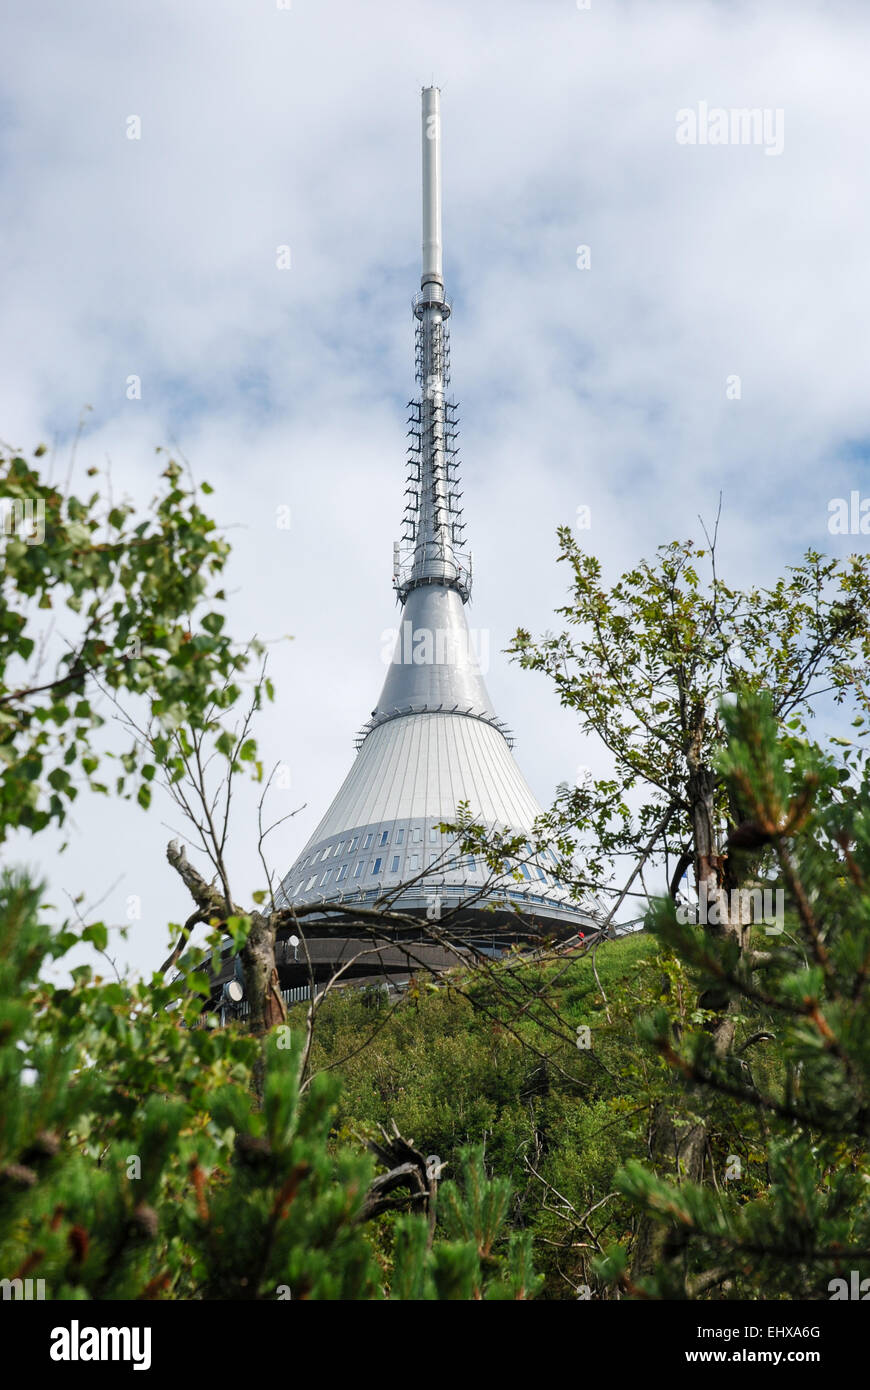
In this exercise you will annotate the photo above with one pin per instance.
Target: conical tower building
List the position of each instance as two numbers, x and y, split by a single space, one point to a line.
433 740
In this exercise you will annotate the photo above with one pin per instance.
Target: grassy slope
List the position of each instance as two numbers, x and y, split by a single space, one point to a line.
460 1064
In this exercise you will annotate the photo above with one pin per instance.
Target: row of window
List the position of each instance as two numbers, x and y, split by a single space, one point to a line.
413 866
333 851
340 874
377 867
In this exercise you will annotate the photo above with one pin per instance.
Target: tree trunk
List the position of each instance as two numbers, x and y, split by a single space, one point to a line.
677 1145
262 985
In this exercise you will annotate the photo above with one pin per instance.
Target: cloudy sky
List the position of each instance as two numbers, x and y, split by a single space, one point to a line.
605 386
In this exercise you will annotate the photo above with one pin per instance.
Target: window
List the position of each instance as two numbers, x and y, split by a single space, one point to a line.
413 863
342 874
353 844
385 835
310 884
418 834
400 836
338 848
326 877
432 859
359 868
524 869
376 867
394 867
433 836
470 862
368 840
541 875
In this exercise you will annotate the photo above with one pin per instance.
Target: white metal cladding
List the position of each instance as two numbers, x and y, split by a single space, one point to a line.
381 830
434 662
420 767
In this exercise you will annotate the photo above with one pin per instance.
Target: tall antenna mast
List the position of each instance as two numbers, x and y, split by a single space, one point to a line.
431 548
433 739
433 272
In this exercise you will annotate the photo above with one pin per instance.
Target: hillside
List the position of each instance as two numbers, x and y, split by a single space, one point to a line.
491 1057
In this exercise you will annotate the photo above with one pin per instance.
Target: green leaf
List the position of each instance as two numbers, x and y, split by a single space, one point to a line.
98 934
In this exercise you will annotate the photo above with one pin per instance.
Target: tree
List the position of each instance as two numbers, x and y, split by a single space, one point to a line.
644 665
99 605
137 1159
141 1154
97 600
801 1229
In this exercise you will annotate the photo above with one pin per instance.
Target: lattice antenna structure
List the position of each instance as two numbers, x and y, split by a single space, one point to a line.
432 548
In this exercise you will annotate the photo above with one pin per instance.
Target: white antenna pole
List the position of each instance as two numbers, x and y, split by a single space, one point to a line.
432 266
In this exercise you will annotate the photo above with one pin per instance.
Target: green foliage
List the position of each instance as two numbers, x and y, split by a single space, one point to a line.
474 1261
281 1219
803 1216
645 662
136 1160
95 598
495 1054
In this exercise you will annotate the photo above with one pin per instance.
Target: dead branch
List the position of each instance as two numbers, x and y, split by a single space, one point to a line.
409 1170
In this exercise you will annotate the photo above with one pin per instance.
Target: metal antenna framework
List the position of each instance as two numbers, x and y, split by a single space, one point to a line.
431 550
